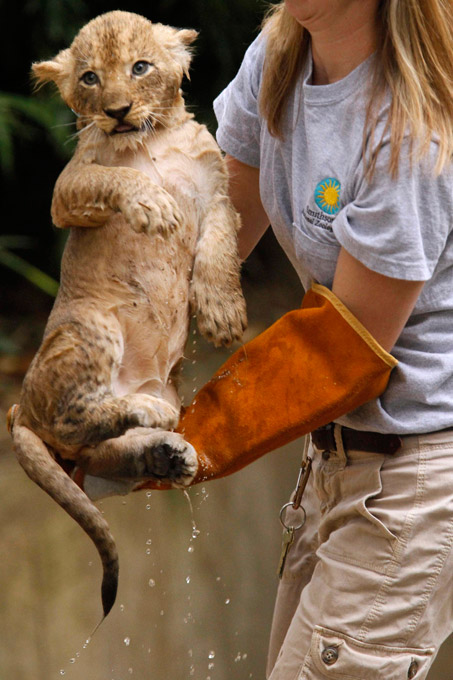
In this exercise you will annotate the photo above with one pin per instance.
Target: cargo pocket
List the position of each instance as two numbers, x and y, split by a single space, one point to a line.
338 656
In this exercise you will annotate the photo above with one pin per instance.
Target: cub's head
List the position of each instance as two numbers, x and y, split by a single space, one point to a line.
122 75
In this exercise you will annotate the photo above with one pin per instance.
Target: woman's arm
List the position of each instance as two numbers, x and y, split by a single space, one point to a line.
245 194
382 304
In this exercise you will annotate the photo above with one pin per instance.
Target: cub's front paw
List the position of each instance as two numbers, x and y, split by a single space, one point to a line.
153 212
221 319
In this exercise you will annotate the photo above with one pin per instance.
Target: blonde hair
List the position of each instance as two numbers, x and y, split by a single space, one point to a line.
414 62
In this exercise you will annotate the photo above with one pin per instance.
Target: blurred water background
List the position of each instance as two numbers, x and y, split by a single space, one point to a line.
191 603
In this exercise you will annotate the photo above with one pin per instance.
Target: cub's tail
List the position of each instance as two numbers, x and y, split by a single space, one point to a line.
39 465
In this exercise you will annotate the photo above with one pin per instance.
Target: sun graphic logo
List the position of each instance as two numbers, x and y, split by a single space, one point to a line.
327 195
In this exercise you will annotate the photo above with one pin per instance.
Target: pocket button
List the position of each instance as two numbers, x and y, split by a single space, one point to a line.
413 670
330 654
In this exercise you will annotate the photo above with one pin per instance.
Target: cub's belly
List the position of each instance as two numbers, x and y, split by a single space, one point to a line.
154 337
144 282
116 252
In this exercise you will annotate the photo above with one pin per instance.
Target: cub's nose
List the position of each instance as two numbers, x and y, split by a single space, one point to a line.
118 113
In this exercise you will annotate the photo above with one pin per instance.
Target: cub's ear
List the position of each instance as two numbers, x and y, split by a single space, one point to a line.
56 70
177 42
187 36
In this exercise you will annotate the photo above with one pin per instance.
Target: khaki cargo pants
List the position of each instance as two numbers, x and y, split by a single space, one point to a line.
367 591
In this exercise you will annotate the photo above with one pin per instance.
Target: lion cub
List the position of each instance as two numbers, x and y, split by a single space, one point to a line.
152 240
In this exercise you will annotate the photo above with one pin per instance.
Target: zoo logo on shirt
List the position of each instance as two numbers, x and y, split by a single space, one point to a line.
327 195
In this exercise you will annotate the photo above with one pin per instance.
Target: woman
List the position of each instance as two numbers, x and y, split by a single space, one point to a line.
338 130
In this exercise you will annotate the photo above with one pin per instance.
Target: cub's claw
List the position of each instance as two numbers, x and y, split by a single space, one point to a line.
153 212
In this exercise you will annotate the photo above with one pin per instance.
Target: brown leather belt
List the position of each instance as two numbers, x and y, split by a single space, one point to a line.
373 442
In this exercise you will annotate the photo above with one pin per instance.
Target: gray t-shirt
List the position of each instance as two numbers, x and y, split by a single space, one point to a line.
314 191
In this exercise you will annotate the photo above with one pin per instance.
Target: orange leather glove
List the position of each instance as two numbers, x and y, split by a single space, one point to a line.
312 366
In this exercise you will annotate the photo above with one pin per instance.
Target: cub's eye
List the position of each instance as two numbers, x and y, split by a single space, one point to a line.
89 78
140 68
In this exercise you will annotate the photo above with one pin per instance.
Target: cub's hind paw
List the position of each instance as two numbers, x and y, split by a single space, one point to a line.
152 455
171 460
149 411
121 464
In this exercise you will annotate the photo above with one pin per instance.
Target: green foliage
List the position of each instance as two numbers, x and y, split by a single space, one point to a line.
20 266
26 118
60 20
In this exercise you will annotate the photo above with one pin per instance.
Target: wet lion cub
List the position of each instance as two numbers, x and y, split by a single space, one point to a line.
152 240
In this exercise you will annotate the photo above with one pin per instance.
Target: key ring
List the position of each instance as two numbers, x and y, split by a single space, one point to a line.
302 479
290 527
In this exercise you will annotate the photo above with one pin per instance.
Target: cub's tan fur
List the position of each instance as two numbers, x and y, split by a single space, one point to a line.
152 239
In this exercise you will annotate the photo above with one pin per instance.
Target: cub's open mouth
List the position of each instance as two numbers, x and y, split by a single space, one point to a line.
122 128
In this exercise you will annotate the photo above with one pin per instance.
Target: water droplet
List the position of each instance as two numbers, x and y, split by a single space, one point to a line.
148 551
210 666
121 610
148 494
192 670
71 660
151 583
227 601
161 612
238 657
190 549
149 541
62 671
211 655
187 579
195 532
148 507
218 578
127 641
